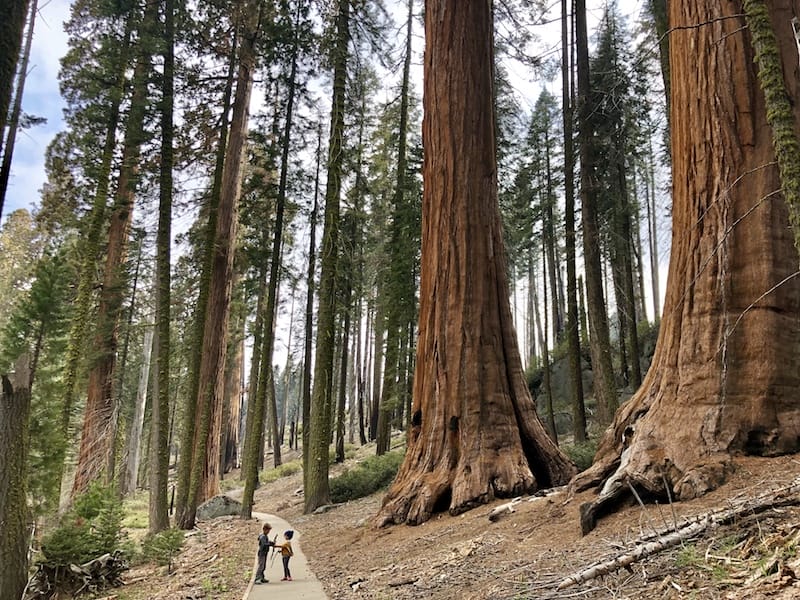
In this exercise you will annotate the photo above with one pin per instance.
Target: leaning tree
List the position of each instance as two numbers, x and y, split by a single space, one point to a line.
474 431
725 375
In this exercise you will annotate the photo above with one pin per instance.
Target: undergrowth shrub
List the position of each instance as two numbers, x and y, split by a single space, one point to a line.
91 528
371 475
163 547
581 454
283 470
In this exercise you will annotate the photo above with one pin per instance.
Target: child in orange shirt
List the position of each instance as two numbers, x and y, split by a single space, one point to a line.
286 554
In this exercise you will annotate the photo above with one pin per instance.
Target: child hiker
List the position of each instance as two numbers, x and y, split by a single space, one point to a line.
264 544
286 554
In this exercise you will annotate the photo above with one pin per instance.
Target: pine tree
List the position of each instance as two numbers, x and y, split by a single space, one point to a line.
600 343
159 420
11 30
612 138
316 481
572 326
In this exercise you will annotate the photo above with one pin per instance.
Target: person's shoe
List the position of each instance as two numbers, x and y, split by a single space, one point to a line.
288 579
284 579
257 581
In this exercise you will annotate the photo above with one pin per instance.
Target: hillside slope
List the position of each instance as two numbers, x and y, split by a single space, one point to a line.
524 554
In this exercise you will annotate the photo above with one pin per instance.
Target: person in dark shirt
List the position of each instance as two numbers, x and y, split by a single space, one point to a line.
264 544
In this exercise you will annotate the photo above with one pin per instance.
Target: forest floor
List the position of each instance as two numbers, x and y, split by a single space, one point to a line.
524 554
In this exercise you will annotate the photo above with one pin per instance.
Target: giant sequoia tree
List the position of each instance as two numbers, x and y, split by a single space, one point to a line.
725 375
474 431
96 452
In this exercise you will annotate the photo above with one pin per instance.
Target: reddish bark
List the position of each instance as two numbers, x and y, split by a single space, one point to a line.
474 431
725 375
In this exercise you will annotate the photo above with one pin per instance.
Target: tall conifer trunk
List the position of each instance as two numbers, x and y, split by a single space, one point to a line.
7 151
599 342
190 420
15 406
100 413
205 451
474 431
12 26
317 490
159 418
268 341
90 247
572 327
725 374
309 314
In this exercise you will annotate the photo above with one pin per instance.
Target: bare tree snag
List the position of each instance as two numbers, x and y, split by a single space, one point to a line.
474 435
725 374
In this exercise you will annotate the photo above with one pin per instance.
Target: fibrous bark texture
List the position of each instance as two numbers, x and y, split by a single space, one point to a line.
474 431
15 404
725 375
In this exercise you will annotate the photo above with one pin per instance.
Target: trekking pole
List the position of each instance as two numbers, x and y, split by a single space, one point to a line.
274 548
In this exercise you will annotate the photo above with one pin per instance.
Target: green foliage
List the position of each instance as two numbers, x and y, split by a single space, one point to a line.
91 528
350 451
136 511
163 547
280 471
19 246
371 475
36 325
688 556
778 105
581 454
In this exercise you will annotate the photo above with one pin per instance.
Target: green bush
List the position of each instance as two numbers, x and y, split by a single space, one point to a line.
371 475
581 454
90 529
283 470
163 547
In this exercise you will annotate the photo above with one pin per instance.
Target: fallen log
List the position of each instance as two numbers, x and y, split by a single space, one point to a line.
499 511
785 496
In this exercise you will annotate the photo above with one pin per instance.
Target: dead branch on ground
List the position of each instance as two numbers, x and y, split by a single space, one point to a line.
785 496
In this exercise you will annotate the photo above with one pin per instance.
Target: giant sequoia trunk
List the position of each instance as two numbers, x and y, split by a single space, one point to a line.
725 375
474 431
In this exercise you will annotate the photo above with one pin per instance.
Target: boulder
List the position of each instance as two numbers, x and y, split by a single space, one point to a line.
218 506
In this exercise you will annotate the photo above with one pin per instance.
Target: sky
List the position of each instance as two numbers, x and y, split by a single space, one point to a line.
42 99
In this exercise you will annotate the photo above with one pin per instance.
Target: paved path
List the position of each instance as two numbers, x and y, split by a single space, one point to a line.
304 585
